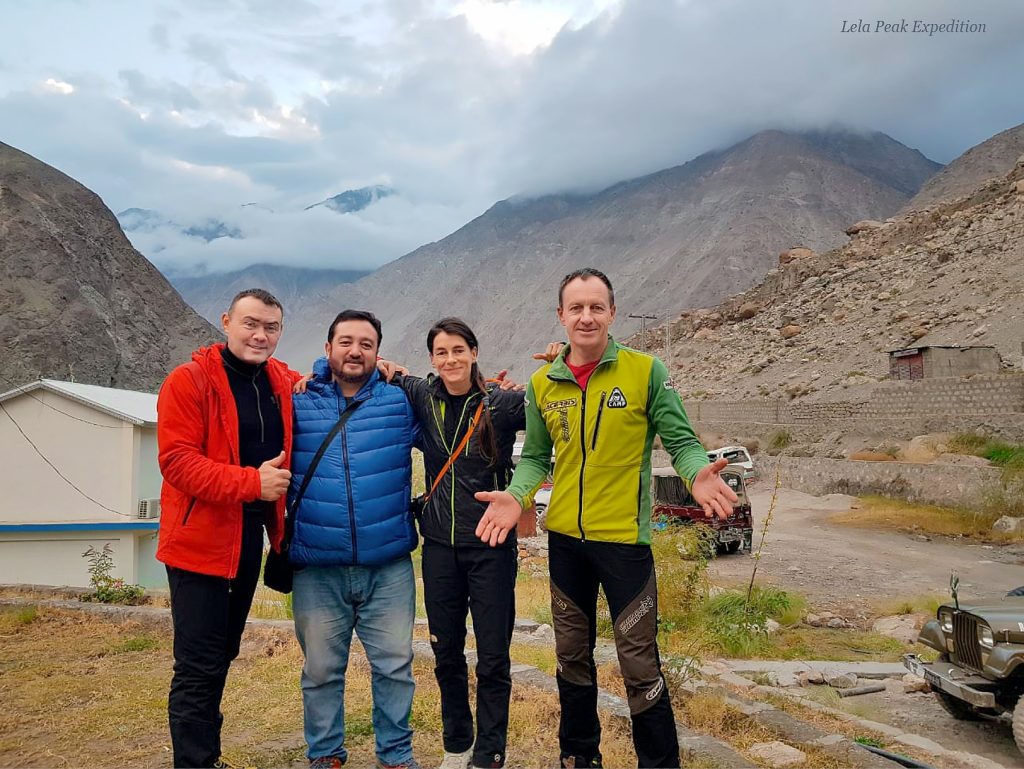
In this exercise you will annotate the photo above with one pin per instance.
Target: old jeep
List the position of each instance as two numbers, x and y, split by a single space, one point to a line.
673 503
980 670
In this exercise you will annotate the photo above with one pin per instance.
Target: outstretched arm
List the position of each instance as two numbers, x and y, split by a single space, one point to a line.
666 412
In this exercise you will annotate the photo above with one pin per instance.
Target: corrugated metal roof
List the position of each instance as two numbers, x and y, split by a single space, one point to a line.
130 405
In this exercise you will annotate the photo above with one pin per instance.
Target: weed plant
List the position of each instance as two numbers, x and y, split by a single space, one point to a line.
105 588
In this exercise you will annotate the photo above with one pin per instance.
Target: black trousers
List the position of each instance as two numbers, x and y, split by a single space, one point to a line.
209 616
626 575
481 580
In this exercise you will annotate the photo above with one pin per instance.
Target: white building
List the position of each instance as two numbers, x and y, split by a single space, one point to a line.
75 462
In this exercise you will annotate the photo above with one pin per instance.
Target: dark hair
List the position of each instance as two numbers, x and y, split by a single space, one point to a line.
586 272
344 315
257 293
457 327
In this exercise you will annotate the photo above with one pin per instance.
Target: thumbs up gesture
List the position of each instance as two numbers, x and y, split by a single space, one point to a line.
273 479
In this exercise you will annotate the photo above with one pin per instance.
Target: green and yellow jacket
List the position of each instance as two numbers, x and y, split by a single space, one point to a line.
602 438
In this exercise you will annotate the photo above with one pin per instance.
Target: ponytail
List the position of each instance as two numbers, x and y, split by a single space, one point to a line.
488 440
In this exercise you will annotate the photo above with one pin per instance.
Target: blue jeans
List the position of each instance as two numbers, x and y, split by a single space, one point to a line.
379 603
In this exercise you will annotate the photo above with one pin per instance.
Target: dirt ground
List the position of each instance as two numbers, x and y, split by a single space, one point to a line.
852 571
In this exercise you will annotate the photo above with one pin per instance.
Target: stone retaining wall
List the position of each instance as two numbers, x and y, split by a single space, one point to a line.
991 402
928 483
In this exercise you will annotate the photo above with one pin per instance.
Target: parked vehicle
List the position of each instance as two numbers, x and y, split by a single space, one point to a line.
980 670
737 455
671 500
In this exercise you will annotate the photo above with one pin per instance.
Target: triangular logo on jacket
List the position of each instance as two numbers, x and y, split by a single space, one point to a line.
616 400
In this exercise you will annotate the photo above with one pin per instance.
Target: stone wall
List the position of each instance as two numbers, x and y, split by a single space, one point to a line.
990 402
929 483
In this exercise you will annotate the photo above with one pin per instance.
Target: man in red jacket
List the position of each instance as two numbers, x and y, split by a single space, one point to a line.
224 429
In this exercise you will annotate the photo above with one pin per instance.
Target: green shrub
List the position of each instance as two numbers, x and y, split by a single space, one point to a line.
107 589
999 453
739 627
779 440
1005 455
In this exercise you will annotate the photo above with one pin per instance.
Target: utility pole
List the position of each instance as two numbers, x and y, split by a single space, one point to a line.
643 328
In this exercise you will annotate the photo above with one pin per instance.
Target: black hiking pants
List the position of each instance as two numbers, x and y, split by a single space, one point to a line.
626 575
481 580
209 616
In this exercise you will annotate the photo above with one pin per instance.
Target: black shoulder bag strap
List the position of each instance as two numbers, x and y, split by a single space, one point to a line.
289 522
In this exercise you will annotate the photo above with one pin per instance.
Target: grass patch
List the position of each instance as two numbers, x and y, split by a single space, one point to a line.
139 643
927 604
812 643
79 705
888 514
541 657
710 713
270 604
999 453
13 618
533 597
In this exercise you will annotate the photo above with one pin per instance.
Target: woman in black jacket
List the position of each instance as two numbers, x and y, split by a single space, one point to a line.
460 572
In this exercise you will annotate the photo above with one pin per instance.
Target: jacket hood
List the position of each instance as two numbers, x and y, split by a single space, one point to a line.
205 356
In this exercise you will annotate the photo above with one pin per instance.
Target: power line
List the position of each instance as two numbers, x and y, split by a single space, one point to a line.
54 467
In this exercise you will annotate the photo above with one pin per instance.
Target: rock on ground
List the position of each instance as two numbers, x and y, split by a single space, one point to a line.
777 754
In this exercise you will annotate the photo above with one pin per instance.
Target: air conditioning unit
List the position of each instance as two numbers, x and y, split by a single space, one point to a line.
149 508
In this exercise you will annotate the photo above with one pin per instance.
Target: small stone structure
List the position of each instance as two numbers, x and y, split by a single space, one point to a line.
936 361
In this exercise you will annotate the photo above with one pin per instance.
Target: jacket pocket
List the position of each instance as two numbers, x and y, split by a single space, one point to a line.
188 510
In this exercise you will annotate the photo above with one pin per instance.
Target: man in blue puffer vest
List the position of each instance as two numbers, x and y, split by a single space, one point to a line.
351 544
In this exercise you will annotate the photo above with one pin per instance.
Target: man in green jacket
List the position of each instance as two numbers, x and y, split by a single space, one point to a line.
599 405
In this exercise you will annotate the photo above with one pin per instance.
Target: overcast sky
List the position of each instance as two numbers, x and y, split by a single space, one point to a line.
195 108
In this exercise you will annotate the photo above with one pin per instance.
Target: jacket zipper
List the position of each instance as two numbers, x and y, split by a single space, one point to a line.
597 424
348 485
259 410
449 449
583 449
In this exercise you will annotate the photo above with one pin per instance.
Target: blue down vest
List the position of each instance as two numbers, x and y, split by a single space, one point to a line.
356 507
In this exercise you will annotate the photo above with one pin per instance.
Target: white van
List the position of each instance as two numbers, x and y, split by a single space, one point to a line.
737 455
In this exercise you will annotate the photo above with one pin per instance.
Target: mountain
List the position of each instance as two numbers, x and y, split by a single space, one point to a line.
819 326
147 220
684 237
993 158
351 201
79 302
210 295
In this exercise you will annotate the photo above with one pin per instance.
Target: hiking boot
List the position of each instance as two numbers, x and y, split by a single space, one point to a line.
223 763
327 762
457 760
412 763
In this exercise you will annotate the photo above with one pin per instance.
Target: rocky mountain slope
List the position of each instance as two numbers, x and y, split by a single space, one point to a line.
819 325
993 158
78 301
210 295
683 237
